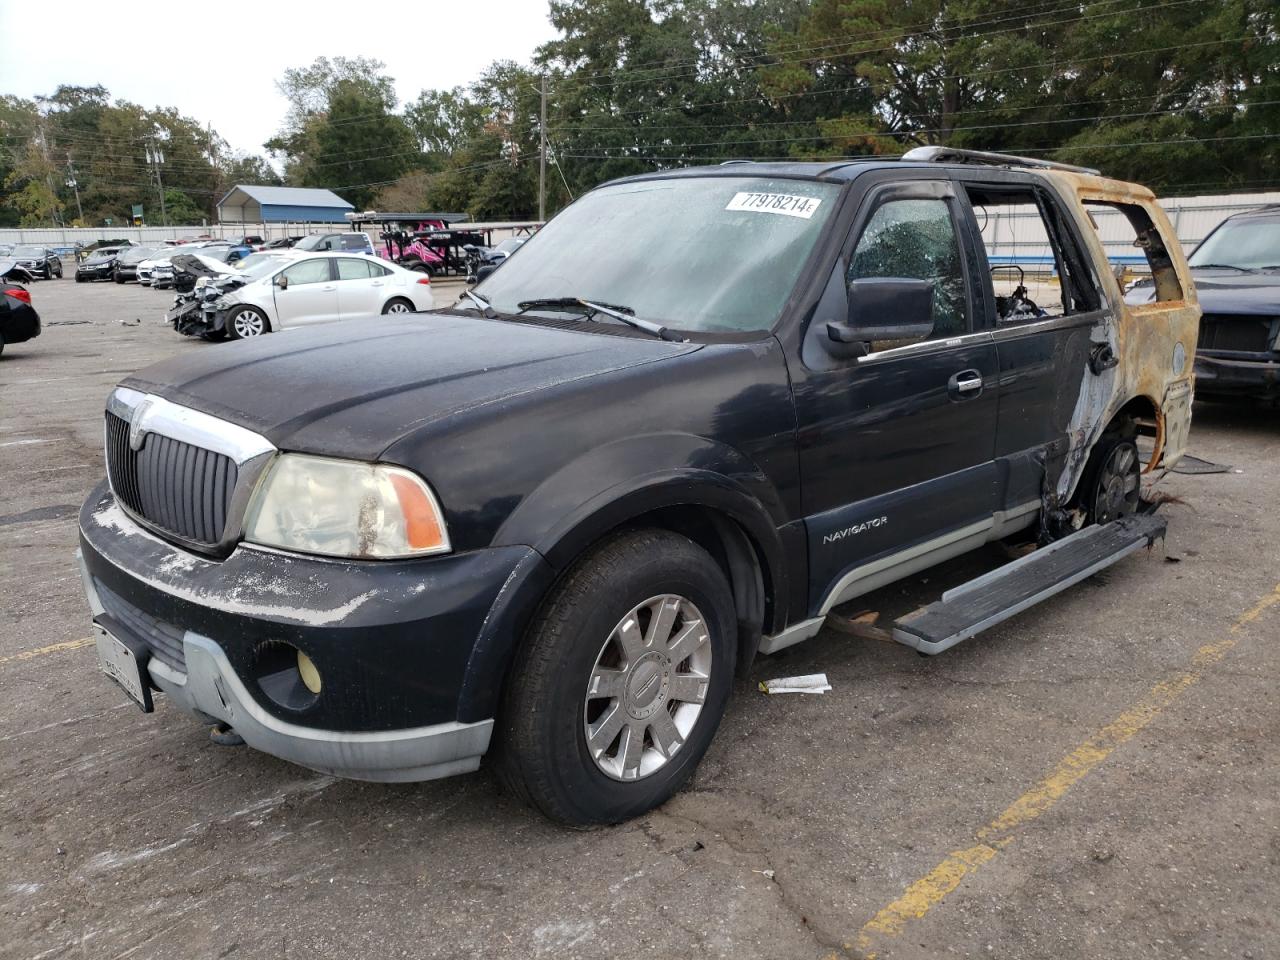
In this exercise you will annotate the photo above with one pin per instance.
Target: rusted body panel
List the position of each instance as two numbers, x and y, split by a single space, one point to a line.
1153 344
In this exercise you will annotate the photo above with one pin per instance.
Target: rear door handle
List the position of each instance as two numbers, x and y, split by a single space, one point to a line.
965 385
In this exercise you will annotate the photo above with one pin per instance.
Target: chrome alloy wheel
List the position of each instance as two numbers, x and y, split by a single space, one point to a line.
1119 485
647 688
248 323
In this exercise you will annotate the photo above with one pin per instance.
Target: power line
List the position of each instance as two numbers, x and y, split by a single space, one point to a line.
695 64
918 29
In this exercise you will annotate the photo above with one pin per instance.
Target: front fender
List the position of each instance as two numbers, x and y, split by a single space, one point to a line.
612 484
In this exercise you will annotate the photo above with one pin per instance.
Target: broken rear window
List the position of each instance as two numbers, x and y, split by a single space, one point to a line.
1134 245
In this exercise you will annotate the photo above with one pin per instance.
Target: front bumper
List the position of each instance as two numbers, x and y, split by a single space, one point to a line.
104 272
1238 374
396 643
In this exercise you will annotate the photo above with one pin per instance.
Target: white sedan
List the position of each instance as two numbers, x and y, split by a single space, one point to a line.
320 288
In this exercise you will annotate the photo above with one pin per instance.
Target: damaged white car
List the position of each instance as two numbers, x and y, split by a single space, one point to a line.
278 292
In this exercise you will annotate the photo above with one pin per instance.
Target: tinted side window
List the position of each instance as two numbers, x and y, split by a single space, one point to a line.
916 239
308 271
355 241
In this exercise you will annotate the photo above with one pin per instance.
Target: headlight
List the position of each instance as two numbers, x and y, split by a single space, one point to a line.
341 508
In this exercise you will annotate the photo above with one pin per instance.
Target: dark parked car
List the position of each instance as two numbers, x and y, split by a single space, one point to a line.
282 243
38 261
99 265
127 262
559 516
1237 274
18 318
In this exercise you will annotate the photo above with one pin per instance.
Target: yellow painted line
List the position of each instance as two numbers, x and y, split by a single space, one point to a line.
927 892
62 647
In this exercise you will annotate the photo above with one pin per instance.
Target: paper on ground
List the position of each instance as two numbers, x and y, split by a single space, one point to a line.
810 683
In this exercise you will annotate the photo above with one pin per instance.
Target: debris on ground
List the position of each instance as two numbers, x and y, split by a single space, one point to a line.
862 625
810 683
1193 465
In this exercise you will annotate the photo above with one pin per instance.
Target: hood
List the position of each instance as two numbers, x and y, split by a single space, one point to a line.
199 266
353 389
1225 291
100 258
1252 294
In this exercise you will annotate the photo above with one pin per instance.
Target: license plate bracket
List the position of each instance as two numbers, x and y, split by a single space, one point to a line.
124 660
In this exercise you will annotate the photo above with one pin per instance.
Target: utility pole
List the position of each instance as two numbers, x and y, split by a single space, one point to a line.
71 182
542 156
155 157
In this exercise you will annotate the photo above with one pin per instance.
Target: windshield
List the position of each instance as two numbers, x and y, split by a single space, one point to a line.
715 254
215 253
1248 244
311 243
137 254
258 265
26 250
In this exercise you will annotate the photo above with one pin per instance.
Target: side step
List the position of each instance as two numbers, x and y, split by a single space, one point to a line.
987 600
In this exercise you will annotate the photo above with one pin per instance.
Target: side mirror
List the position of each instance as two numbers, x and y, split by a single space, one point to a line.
882 308
282 282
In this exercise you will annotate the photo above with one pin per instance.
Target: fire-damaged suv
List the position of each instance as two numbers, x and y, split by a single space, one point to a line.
695 412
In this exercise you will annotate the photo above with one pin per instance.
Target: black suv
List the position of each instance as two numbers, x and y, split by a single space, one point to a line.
698 410
1237 275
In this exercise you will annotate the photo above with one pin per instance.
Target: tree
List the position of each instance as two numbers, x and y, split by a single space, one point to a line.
360 144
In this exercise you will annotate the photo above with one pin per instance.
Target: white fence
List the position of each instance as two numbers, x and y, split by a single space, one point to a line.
1011 234
70 236
1019 233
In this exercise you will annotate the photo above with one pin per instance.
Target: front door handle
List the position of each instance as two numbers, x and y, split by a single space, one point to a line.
965 385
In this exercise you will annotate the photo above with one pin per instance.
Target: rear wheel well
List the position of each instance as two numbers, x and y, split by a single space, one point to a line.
1140 417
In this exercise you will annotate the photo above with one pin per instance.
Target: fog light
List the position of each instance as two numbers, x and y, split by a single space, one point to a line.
310 675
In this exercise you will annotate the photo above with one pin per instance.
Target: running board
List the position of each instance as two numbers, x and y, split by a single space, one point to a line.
994 597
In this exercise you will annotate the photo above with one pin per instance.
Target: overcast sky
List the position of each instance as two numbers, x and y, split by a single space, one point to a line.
219 62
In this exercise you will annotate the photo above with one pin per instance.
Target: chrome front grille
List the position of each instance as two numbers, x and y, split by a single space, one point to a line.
183 489
183 473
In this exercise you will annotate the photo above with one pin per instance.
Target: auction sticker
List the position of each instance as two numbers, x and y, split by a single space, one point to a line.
787 204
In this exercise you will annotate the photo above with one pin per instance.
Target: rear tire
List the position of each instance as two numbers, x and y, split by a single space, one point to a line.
398 305
621 681
1111 486
244 322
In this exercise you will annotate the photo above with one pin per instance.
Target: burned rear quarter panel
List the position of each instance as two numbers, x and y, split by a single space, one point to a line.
1143 337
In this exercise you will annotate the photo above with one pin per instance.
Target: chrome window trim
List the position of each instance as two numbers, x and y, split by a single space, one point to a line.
927 346
1012 330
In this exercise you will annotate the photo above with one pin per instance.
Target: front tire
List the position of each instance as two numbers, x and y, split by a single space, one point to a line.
245 322
621 682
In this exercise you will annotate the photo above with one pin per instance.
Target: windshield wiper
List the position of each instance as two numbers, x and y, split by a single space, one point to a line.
481 302
1220 266
625 314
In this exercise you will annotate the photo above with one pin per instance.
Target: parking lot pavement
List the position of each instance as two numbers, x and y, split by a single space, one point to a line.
1094 778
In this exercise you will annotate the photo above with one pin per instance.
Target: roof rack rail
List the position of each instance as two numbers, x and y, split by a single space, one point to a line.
955 155
725 163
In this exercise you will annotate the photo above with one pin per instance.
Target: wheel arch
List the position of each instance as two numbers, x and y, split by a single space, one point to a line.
725 521
1148 420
